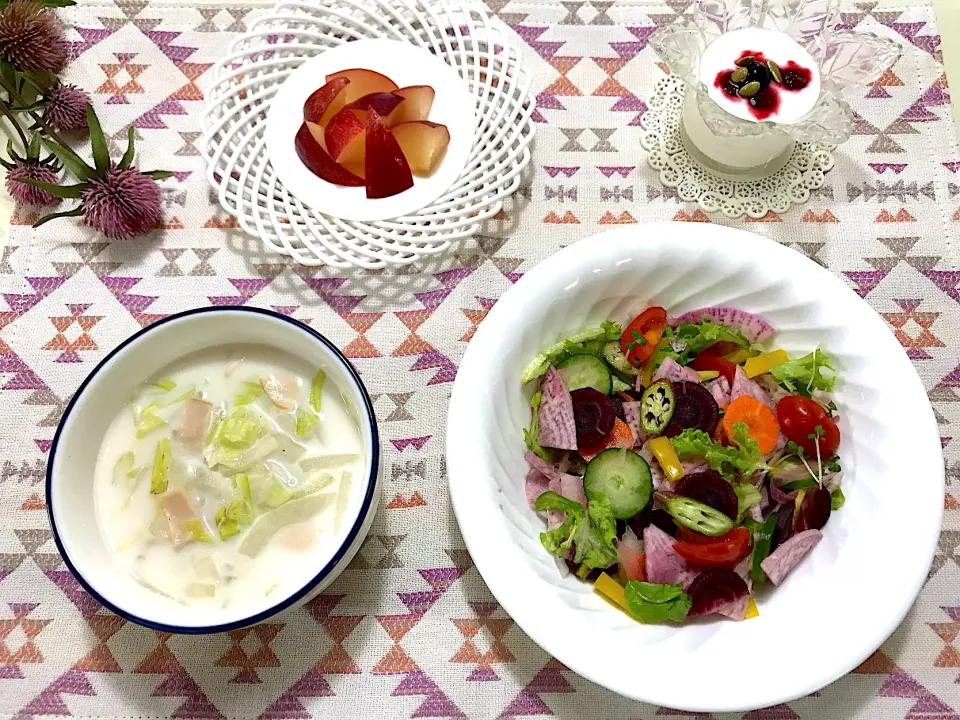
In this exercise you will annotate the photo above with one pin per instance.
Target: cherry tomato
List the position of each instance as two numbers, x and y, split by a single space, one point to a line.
648 326
725 552
799 417
708 361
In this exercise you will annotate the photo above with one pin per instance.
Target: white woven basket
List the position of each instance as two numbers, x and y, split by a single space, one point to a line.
246 80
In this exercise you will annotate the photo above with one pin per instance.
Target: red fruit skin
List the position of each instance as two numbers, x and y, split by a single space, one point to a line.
385 167
342 129
317 104
383 102
320 163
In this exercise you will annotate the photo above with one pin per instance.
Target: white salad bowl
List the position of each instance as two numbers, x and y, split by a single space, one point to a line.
840 603
73 457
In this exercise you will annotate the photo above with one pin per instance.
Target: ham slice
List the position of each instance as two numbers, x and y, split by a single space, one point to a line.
785 558
631 413
535 485
663 564
742 385
671 370
557 426
194 423
177 508
720 389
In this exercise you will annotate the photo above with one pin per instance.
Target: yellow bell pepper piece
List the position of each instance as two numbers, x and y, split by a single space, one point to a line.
796 505
738 356
752 611
708 374
611 589
764 363
662 449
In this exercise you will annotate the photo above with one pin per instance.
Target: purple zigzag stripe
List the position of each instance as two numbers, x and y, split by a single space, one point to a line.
10 672
952 379
151 120
441 578
548 101
91 36
64 580
544 49
49 702
163 38
482 675
946 280
453 276
420 601
288 705
866 280
437 704
553 171
621 170
24 378
325 285
417 442
629 103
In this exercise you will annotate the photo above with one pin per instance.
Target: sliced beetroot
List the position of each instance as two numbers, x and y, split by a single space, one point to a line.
783 528
718 591
555 417
710 489
694 408
754 327
815 510
594 414
652 516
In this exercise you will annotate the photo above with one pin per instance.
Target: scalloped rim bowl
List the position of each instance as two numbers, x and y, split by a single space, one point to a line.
840 603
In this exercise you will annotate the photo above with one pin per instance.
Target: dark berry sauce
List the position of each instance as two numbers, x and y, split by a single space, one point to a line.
766 101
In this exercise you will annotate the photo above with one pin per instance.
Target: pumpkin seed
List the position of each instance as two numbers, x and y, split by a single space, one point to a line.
775 71
749 90
744 61
739 75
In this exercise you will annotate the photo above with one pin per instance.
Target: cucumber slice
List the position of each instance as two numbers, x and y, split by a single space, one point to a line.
624 477
618 361
581 371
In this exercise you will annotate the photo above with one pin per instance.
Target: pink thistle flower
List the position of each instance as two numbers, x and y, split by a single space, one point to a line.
66 107
27 194
31 37
122 204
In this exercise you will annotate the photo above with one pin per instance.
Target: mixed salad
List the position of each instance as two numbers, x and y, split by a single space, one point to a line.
682 463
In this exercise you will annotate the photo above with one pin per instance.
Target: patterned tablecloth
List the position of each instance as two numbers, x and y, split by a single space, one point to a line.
410 630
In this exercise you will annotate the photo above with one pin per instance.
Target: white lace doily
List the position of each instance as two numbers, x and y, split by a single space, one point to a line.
791 184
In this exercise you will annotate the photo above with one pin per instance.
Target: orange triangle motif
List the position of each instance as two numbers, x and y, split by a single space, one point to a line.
395 661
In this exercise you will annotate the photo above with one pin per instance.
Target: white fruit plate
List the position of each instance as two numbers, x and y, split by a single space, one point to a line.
259 183
839 604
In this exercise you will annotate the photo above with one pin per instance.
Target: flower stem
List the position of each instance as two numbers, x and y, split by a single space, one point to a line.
14 95
13 121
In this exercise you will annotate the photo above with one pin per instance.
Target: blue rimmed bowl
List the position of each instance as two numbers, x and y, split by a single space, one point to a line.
73 457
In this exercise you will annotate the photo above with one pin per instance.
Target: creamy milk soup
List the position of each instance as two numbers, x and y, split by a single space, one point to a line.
230 477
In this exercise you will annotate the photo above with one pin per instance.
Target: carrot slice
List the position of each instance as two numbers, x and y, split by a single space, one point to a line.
620 436
760 420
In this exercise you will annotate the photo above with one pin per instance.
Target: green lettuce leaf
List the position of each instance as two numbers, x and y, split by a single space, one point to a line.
149 421
652 602
805 374
316 390
593 533
619 385
531 435
589 342
306 422
837 500
249 391
196 530
743 458
747 497
237 441
166 385
689 339
161 467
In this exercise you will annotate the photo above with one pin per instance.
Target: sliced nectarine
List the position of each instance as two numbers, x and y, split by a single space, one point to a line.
385 103
344 137
326 102
423 144
386 169
417 101
363 82
315 157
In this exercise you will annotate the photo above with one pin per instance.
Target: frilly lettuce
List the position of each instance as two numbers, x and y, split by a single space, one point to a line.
588 341
805 374
593 533
249 392
744 457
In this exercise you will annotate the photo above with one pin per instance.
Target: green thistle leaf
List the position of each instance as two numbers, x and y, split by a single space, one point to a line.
127 158
98 142
73 162
67 192
76 212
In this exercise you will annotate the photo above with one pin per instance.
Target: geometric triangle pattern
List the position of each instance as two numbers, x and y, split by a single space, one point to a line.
409 630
